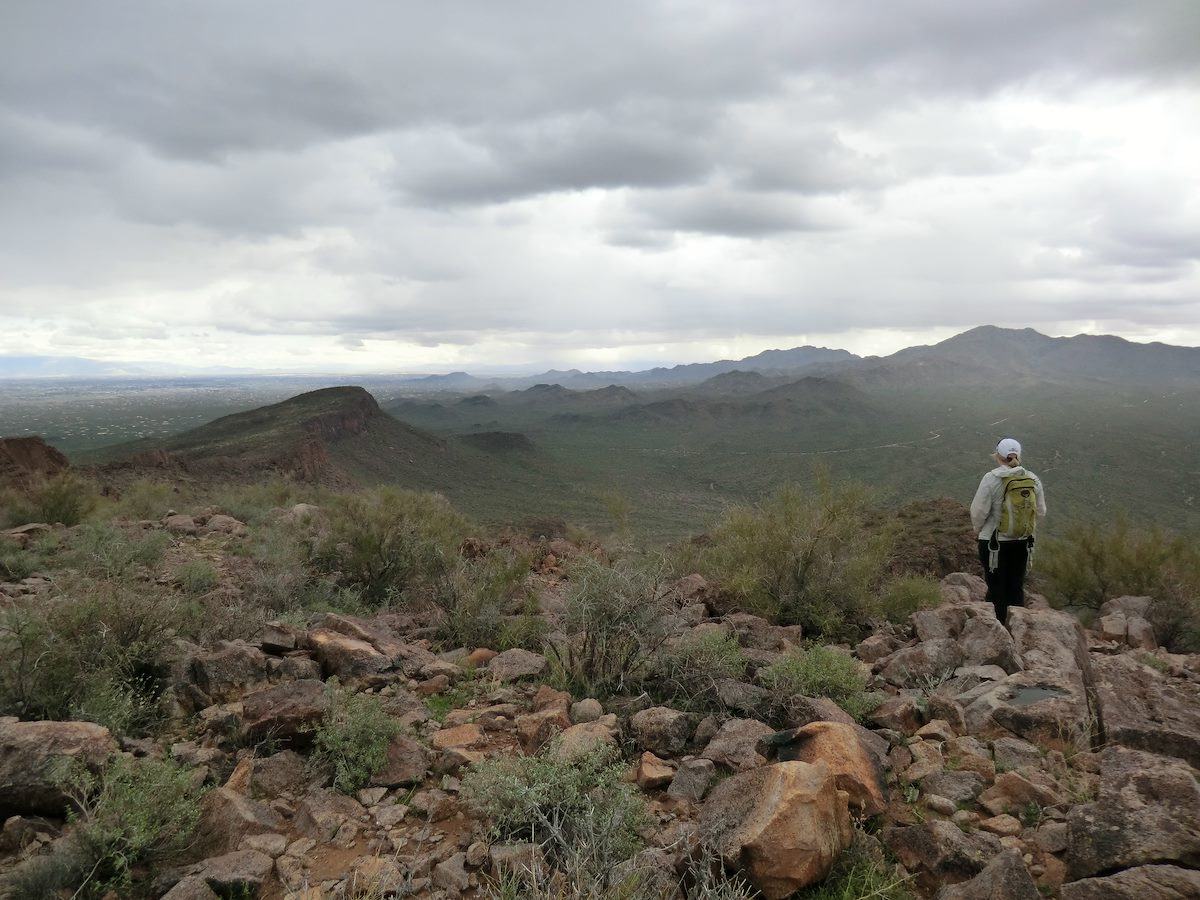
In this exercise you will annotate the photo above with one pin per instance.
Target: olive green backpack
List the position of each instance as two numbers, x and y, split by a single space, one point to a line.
1018 509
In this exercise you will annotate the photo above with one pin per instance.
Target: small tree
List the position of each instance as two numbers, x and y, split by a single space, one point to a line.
390 542
613 623
807 557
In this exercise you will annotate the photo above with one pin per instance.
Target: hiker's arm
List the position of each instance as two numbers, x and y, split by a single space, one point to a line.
1041 496
981 506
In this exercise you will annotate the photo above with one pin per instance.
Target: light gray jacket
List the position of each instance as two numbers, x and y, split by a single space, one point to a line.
985 508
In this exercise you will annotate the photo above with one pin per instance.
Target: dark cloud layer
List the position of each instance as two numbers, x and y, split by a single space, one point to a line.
643 172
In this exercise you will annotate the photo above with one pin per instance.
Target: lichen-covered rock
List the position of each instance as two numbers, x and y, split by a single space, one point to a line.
661 730
1144 710
516 663
1139 883
1147 812
228 670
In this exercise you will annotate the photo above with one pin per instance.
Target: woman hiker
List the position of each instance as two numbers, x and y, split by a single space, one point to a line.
1004 513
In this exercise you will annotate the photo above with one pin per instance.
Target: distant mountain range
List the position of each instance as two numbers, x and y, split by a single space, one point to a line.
981 355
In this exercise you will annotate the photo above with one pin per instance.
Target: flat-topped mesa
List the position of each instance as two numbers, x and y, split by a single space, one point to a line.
351 417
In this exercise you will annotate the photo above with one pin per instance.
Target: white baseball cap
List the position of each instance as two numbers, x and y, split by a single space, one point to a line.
1007 448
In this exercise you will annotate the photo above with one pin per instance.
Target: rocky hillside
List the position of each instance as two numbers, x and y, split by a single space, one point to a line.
1038 760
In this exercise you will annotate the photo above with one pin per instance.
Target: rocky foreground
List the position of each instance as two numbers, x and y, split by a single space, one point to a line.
1049 761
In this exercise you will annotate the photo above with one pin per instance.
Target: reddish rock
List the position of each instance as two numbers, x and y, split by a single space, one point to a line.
228 670
283 711
856 770
653 772
407 761
1140 883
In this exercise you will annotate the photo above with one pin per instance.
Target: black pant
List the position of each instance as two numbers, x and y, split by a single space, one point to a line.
1005 586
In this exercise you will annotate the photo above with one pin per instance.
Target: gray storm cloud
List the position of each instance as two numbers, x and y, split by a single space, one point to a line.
642 172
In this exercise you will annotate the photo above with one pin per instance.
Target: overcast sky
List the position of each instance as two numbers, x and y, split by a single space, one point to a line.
431 186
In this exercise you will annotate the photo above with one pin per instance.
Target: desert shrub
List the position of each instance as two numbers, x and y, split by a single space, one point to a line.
135 816
353 738
803 557
111 552
527 630
819 671
254 503
860 874
197 576
391 543
579 809
476 596
686 674
144 499
94 651
613 623
65 498
17 563
904 595
1091 564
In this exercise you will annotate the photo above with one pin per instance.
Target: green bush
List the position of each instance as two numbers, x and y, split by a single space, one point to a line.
476 596
95 651
353 738
1091 564
613 624
197 576
904 595
686 674
821 672
136 816
391 543
802 557
16 564
579 809
111 552
65 499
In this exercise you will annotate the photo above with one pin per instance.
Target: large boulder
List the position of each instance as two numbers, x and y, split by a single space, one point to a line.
985 642
1048 640
346 657
856 769
1147 812
228 670
783 825
1047 707
408 658
32 754
1144 710
1140 883
284 711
